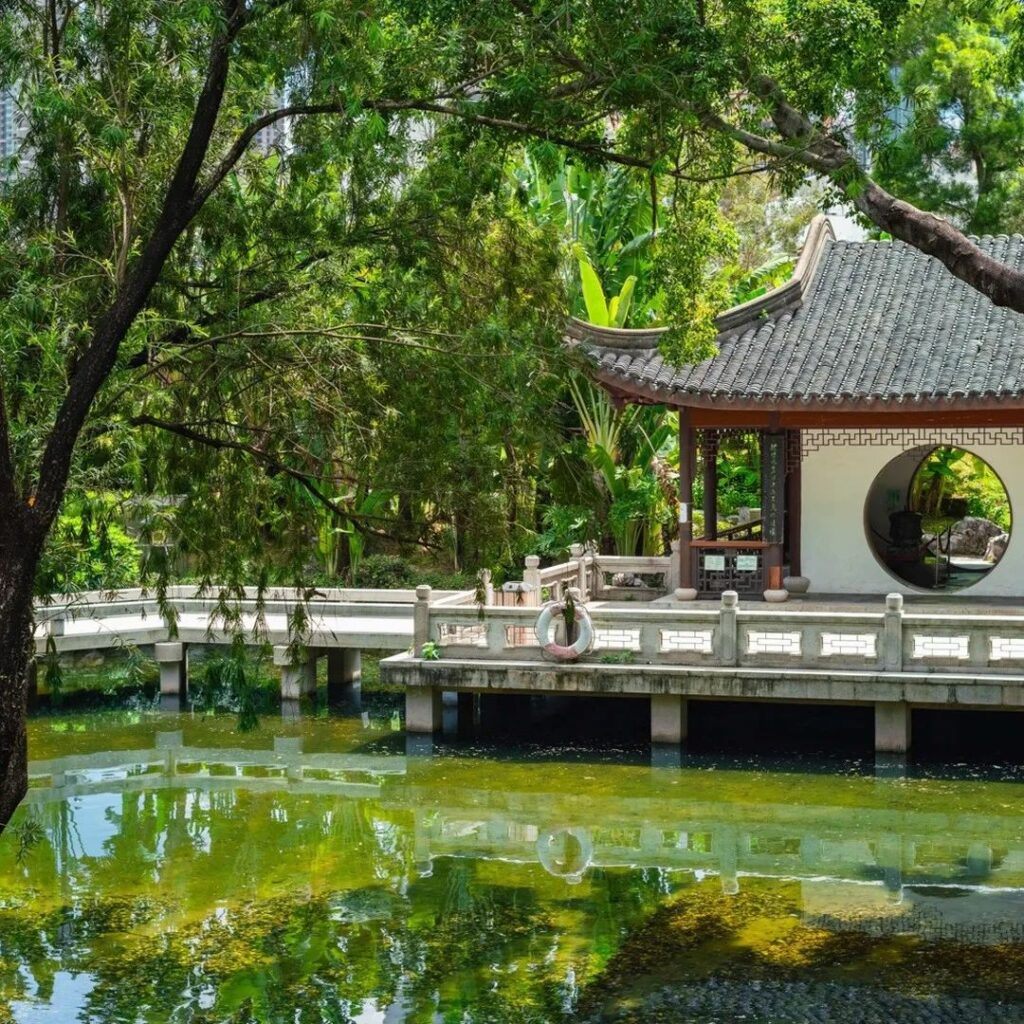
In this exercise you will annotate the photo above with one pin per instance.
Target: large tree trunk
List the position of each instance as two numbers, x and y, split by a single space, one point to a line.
16 576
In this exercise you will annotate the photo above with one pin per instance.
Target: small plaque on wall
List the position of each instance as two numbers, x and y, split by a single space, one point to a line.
746 563
714 563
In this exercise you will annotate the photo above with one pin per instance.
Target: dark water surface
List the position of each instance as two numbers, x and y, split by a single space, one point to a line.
170 868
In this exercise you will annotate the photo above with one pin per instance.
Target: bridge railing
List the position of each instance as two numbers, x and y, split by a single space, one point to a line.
597 577
135 616
729 635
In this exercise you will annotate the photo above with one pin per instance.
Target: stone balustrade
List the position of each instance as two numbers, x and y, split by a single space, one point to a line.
730 634
886 657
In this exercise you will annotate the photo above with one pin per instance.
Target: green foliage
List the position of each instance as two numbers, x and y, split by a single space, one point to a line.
623 451
739 477
601 311
385 571
618 658
955 141
131 672
606 216
952 473
355 346
564 525
53 674
89 549
234 681
28 834
770 274
694 255
431 651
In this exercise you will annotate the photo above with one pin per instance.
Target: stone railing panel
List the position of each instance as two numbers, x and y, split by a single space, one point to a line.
959 642
788 639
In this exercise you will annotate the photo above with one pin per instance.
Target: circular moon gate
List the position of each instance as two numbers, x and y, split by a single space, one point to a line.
938 518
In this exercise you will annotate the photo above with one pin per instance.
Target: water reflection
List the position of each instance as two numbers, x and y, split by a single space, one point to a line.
190 874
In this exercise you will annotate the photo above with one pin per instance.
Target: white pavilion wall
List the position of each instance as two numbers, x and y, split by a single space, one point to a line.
835 553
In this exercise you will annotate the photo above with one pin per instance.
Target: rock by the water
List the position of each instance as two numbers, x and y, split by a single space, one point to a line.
90 659
970 536
997 547
627 579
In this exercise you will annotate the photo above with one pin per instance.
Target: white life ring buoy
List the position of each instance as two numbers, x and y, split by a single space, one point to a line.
566 853
585 631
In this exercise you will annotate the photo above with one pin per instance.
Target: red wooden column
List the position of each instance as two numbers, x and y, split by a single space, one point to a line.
709 454
686 466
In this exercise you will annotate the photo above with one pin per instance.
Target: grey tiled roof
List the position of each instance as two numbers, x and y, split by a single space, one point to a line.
873 321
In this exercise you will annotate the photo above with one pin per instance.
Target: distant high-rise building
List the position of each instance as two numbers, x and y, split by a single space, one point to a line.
12 132
272 139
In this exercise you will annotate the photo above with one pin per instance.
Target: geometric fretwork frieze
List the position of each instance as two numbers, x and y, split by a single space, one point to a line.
909 437
709 440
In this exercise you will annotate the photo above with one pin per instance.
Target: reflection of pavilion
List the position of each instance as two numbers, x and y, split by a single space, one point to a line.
863 867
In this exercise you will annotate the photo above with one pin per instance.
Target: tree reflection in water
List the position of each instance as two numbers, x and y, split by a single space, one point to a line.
186 879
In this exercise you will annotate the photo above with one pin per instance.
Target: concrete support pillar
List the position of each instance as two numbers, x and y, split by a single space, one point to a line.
725 849
172 659
668 718
892 727
170 743
298 672
291 710
423 709
289 750
449 712
469 714
890 860
344 672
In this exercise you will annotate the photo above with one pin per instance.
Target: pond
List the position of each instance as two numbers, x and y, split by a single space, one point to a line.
167 867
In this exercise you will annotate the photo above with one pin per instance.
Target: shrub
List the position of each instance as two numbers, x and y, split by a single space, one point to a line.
87 550
384 572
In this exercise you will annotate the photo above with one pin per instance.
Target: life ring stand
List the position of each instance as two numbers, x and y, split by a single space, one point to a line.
584 626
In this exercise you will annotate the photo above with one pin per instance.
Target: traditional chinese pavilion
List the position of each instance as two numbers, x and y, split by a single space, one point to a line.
850 375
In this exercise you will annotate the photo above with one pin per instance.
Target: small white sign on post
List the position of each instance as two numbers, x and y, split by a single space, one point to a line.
714 563
746 563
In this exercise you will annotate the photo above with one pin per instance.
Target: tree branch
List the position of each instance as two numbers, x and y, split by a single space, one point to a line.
804 142
175 213
269 460
931 234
